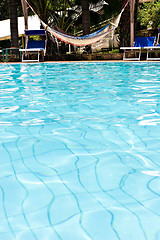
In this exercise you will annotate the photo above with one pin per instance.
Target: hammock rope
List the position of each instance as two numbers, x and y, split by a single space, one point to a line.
82 40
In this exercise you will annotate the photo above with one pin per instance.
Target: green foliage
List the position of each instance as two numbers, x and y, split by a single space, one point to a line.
56 12
149 14
66 14
114 51
4 11
113 7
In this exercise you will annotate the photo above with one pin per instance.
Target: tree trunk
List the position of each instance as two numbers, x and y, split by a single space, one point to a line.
13 22
132 25
125 31
85 17
125 26
25 13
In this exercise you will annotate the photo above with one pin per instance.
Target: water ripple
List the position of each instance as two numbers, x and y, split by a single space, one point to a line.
79 151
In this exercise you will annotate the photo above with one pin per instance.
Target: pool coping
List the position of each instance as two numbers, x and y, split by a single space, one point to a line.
106 61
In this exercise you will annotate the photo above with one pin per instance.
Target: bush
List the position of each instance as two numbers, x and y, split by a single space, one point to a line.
148 14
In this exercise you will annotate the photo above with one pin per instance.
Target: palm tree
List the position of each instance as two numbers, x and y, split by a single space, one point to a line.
13 22
85 16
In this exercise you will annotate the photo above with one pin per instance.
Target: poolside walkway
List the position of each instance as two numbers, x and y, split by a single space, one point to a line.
143 61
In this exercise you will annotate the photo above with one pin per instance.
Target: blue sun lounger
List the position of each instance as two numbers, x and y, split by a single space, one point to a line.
34 46
140 43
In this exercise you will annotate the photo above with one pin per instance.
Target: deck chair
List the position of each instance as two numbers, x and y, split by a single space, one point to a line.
139 44
34 46
155 49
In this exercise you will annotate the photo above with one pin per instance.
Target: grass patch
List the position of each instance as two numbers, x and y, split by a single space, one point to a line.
114 51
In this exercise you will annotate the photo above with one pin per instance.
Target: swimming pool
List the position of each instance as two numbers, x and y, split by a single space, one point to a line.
80 151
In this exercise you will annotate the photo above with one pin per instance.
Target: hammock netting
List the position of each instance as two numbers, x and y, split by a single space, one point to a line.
83 40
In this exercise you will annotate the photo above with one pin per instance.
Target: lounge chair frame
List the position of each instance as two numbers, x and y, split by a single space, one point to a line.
34 50
152 49
133 50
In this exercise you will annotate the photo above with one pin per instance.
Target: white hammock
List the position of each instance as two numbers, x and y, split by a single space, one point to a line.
83 40
87 39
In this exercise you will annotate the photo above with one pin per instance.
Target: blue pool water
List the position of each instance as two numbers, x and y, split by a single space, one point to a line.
80 151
